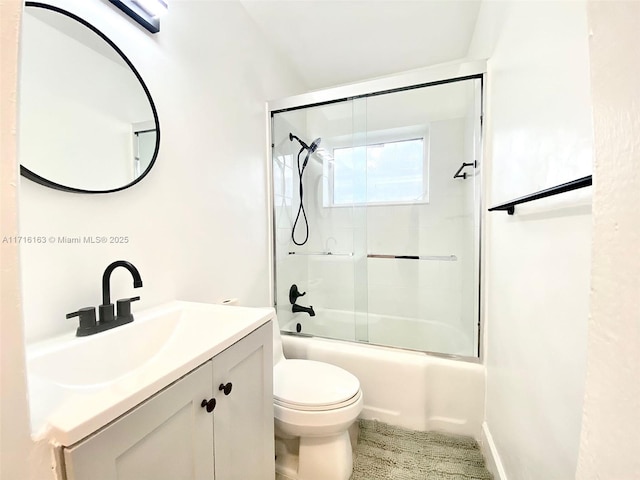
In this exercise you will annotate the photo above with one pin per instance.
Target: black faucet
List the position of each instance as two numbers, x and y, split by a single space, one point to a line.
106 309
88 324
294 293
298 308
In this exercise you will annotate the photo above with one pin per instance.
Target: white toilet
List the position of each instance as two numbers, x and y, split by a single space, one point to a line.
314 405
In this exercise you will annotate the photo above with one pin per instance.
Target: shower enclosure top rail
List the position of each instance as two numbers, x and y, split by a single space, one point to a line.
441 258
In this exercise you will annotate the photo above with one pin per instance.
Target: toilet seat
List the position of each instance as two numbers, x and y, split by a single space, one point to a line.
317 408
308 385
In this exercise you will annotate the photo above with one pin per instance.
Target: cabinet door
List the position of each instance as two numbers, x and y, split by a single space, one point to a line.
168 437
243 419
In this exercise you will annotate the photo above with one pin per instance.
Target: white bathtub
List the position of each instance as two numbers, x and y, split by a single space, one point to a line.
409 389
386 330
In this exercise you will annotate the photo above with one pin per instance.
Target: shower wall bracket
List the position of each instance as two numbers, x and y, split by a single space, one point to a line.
474 164
509 207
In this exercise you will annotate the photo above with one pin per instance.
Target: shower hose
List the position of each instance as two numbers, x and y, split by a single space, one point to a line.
301 170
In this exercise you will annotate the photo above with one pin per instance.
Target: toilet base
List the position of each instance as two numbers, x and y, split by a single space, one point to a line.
287 457
325 458
317 458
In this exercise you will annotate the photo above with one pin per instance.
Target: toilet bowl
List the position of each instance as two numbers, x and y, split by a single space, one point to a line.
314 405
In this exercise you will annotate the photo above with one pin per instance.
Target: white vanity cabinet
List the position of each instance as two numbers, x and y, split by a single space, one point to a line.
171 436
243 419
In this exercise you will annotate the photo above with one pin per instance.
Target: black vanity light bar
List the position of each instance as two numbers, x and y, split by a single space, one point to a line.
509 207
139 14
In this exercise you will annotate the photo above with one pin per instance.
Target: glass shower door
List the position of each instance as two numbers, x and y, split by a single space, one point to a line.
385 246
421 170
315 244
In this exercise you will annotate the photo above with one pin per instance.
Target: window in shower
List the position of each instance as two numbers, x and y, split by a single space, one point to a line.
392 256
396 173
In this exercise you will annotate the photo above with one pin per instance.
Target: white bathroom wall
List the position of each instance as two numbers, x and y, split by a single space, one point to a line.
14 414
197 224
538 134
610 442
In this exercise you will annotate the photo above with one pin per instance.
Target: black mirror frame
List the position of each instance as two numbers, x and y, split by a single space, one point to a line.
25 172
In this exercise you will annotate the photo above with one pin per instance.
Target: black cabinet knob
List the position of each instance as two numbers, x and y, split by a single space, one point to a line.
209 405
226 388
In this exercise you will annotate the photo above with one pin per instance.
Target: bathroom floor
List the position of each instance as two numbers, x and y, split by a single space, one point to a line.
385 452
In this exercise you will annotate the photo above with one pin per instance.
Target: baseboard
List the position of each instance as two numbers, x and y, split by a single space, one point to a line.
494 464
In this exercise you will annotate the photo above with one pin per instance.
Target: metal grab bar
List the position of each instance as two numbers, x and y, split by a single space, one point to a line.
509 207
440 258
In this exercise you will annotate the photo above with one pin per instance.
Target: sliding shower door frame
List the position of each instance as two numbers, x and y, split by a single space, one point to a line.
432 76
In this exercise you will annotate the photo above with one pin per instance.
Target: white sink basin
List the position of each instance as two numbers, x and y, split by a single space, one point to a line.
79 384
91 361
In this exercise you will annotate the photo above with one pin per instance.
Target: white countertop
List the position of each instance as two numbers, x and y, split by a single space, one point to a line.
79 384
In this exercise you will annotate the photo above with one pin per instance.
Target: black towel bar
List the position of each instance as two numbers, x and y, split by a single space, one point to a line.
509 207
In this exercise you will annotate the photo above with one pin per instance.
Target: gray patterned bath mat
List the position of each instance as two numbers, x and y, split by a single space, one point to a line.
385 452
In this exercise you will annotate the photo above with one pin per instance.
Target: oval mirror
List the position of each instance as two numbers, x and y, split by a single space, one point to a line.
87 121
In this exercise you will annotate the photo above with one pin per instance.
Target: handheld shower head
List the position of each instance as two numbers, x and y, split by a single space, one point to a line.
314 145
311 148
301 168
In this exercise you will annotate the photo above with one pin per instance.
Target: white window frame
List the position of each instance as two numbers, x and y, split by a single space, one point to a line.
402 134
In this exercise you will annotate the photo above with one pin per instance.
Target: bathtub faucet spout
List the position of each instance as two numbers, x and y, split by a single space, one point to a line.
297 308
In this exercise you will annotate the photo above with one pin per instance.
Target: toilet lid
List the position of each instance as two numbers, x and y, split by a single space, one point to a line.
308 384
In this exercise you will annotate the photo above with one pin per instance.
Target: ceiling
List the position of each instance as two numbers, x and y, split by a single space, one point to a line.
332 42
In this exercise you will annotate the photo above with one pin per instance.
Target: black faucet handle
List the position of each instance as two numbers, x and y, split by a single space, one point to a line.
105 313
132 299
87 320
294 293
124 308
